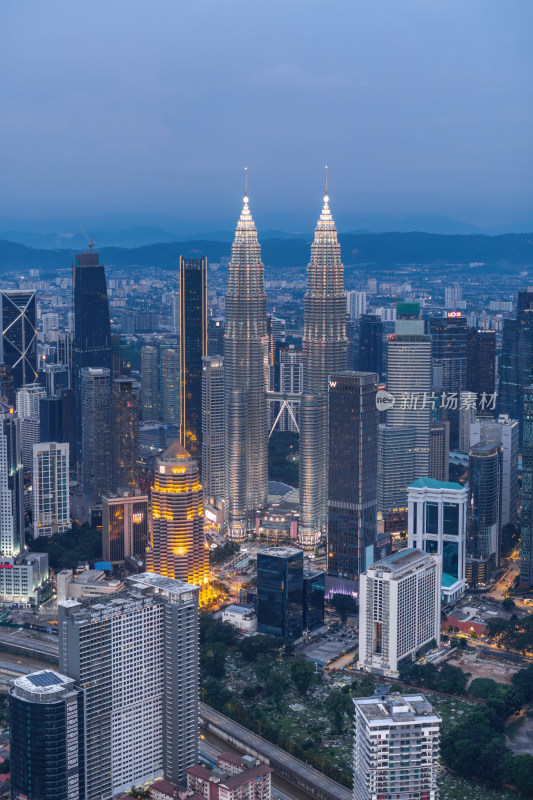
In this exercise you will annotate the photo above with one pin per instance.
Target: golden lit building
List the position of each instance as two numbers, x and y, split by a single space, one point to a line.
178 548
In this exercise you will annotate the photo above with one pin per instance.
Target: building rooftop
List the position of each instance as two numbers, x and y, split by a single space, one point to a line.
42 683
280 552
403 559
396 708
447 580
151 579
432 483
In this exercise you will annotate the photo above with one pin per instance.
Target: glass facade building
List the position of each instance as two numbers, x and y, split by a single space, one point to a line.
125 526
125 434
18 343
97 440
484 513
371 344
313 600
526 514
352 475
193 346
516 364
92 334
47 738
280 594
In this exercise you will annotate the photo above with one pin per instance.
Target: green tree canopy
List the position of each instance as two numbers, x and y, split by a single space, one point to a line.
344 605
302 674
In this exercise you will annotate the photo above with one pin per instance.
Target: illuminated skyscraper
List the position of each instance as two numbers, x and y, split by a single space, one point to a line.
245 380
125 434
170 379
177 521
324 352
213 428
150 382
96 432
193 346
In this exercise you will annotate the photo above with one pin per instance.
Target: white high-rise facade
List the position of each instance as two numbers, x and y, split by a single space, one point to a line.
28 400
355 304
50 494
503 431
136 655
324 351
399 602
396 748
437 525
11 484
409 380
246 371
213 428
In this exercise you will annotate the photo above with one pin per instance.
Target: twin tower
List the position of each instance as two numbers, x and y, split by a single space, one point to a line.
246 377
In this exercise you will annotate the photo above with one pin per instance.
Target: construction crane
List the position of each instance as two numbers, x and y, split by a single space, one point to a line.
89 240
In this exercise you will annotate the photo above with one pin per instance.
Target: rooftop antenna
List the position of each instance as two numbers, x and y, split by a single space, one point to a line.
246 183
326 181
89 239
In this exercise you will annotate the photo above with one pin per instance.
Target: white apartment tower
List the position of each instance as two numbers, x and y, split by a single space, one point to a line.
11 484
136 656
50 495
399 600
213 428
355 304
396 748
437 525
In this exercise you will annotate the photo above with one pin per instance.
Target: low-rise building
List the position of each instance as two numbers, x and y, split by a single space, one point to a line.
242 616
247 780
87 583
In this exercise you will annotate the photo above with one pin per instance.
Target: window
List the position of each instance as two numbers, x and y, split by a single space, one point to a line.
432 518
450 524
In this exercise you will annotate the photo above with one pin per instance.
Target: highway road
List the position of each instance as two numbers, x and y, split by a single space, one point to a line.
314 784
29 642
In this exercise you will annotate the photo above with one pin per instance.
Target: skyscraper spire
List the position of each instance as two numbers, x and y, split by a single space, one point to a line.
324 352
245 379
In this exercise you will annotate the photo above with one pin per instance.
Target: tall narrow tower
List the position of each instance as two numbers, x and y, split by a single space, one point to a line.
324 352
193 346
245 380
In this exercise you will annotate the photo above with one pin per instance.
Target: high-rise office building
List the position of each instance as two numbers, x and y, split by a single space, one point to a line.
396 748
396 465
50 495
47 735
92 330
125 427
11 484
409 380
245 381
516 364
276 330
175 311
7 384
352 346
150 382
485 513
437 525
399 602
439 450
122 355
355 304
280 592
170 380
526 512
324 349
28 410
448 359
54 377
125 525
215 336
97 438
136 655
18 342
313 599
213 428
177 543
193 346
503 431
481 364
371 344
51 419
352 477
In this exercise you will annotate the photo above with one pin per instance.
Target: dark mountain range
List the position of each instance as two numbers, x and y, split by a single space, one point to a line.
504 252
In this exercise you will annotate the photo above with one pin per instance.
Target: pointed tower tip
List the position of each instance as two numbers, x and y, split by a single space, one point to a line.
246 184
326 198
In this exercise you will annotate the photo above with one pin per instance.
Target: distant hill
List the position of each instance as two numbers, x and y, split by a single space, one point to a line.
506 251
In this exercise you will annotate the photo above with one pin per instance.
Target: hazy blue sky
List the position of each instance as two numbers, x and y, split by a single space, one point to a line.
131 111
